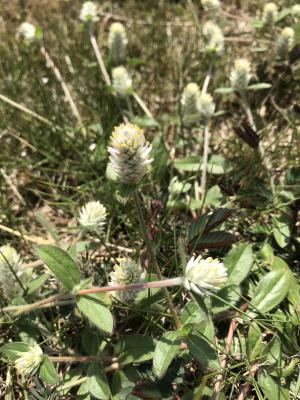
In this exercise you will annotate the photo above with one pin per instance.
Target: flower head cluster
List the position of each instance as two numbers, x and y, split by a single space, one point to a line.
240 74
189 100
211 5
27 31
206 105
9 260
270 13
213 38
126 272
117 42
296 11
29 361
122 83
89 12
129 153
204 275
285 42
92 217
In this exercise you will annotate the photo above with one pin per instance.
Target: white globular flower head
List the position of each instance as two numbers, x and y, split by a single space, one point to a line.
9 260
127 271
121 81
213 38
204 275
117 42
29 361
27 31
296 11
270 14
211 5
189 100
89 12
285 42
92 217
206 105
240 74
129 154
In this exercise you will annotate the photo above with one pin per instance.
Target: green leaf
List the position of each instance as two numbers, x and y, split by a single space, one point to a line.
193 314
281 231
224 90
94 308
283 13
259 86
135 348
12 350
197 226
97 382
190 163
47 371
216 239
213 196
61 264
216 218
227 297
145 122
238 263
165 350
254 343
36 283
272 388
47 226
271 290
203 352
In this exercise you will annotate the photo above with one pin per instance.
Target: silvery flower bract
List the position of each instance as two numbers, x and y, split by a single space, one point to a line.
9 260
129 154
270 13
240 74
27 31
204 275
89 12
210 5
29 361
285 42
206 105
126 272
213 38
92 217
117 42
189 100
121 80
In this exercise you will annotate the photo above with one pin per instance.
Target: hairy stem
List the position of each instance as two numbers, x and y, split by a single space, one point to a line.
152 255
142 104
99 58
205 158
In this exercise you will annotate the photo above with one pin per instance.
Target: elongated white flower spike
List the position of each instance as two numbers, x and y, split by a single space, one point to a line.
29 361
117 42
213 38
129 154
211 5
296 11
206 105
285 42
240 74
92 217
27 31
189 100
126 272
9 259
204 275
270 14
89 12
121 81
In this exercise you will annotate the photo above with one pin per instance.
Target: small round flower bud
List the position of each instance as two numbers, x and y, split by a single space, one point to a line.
240 74
270 14
89 12
206 106
189 99
29 361
285 42
211 5
117 42
296 11
121 81
129 154
27 31
213 38
9 260
204 275
126 272
92 217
